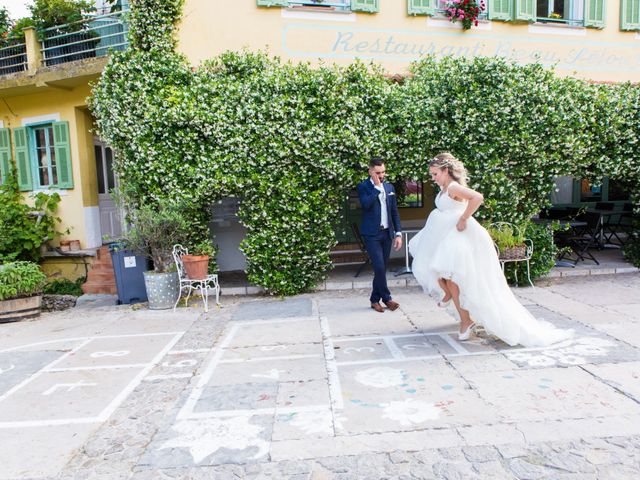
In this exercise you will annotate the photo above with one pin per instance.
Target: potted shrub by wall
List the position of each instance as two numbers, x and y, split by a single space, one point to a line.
155 230
196 263
21 286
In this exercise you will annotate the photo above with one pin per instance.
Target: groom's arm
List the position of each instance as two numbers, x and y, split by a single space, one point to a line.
395 214
367 195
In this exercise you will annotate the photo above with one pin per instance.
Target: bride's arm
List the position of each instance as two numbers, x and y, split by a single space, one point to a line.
474 200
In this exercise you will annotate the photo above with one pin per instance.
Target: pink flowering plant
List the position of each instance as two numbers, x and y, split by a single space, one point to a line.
464 11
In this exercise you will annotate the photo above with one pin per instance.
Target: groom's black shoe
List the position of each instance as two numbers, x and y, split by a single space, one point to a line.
377 307
391 305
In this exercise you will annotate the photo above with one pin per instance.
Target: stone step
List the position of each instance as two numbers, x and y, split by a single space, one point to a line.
100 288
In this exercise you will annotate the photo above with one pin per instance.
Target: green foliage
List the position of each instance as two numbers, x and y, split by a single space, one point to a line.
51 13
631 249
26 228
65 286
290 140
506 235
156 229
20 279
205 247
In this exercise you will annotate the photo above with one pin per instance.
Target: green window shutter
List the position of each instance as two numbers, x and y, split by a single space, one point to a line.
22 159
422 7
63 154
273 3
371 6
5 155
594 11
526 10
630 15
501 9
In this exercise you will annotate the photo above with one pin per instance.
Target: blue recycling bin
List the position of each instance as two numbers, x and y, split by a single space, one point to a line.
128 269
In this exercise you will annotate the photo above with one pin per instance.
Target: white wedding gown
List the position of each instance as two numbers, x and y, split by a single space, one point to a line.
469 258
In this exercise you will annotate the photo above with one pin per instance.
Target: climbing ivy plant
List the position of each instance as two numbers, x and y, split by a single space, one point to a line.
289 141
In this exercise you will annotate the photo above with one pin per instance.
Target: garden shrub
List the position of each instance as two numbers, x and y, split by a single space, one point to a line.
289 141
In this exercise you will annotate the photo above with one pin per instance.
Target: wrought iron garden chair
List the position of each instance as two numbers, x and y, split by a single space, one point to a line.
210 282
525 257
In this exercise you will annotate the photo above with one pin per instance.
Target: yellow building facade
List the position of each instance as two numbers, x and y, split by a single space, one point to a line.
46 128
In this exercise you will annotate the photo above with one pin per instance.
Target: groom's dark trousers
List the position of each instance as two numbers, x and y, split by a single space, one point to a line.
379 248
378 241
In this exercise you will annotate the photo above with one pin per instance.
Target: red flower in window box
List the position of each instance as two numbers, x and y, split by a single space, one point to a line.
464 11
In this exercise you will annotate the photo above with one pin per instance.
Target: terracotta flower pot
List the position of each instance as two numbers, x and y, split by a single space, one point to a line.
196 266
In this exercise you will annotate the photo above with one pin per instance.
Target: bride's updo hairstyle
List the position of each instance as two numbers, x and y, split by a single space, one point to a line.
453 165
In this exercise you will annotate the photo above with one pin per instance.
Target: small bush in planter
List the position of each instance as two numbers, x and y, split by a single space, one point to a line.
20 290
196 263
20 279
509 240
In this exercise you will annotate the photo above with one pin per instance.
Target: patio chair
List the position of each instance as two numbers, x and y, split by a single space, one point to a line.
588 238
361 245
526 256
188 285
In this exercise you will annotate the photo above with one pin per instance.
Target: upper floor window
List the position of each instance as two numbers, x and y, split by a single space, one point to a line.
569 12
370 6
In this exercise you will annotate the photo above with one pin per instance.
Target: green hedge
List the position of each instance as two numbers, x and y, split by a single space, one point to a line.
290 140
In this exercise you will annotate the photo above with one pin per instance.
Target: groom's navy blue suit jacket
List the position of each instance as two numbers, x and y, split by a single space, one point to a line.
371 211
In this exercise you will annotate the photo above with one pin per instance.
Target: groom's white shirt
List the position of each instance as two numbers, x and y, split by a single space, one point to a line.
384 216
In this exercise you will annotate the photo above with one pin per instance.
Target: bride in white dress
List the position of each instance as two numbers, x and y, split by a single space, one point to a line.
454 259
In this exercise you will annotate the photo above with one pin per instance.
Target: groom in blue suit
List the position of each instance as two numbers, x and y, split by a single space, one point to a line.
380 228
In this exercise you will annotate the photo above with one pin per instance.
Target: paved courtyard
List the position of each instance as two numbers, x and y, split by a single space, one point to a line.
319 386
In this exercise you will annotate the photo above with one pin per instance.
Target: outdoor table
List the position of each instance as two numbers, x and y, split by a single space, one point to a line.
405 237
605 215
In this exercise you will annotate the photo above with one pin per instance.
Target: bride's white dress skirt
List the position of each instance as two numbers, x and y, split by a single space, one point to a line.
469 258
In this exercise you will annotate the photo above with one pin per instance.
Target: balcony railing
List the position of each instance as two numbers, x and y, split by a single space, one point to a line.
92 37
13 59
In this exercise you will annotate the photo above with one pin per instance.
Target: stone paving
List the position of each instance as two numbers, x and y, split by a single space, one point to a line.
319 386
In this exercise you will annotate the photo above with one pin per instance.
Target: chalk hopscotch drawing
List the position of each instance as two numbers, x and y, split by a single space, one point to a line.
572 352
204 437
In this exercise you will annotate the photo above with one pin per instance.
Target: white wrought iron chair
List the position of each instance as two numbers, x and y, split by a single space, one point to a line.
210 282
528 253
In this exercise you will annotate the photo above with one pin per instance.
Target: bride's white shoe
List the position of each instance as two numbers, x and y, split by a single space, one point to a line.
443 304
466 333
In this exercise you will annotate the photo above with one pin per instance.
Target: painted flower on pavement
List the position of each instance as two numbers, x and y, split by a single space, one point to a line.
410 412
380 377
316 422
205 436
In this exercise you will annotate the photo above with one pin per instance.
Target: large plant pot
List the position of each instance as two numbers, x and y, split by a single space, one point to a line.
162 289
16 309
196 266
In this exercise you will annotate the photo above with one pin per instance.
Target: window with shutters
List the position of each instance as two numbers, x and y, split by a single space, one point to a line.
568 12
43 158
370 6
440 5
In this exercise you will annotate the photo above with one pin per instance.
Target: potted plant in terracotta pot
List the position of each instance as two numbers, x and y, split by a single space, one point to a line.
196 263
21 286
155 230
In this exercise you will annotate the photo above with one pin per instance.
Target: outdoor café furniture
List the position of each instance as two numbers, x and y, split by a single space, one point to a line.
561 238
361 245
588 237
188 285
407 265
